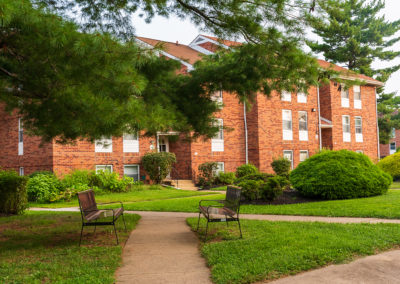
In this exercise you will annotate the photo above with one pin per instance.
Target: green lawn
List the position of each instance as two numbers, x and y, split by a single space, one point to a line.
271 250
395 185
147 193
43 247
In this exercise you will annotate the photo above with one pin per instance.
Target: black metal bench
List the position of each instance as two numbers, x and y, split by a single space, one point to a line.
226 211
92 216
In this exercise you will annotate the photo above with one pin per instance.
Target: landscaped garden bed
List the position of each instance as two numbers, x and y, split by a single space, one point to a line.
43 248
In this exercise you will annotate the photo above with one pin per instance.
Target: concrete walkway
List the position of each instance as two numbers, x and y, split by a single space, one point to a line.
162 249
380 268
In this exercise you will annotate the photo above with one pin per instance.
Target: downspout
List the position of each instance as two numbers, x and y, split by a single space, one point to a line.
319 121
377 126
245 133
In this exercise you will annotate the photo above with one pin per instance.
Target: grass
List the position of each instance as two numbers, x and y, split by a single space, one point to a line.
219 188
395 185
272 250
146 194
43 247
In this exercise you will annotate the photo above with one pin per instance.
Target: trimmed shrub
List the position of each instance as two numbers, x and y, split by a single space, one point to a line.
245 170
271 189
257 177
49 173
158 165
391 165
339 175
76 177
43 188
13 197
226 178
281 166
207 173
251 189
110 181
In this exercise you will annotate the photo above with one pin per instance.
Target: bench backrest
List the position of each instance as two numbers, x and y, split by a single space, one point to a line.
232 199
87 203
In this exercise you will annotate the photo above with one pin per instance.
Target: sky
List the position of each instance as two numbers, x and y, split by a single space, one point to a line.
174 29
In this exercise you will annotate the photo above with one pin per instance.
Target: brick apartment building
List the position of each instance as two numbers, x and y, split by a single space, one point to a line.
291 125
394 143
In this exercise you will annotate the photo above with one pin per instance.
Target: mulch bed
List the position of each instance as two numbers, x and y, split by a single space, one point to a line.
287 197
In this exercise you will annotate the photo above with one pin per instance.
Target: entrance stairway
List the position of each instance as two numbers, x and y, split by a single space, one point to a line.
185 184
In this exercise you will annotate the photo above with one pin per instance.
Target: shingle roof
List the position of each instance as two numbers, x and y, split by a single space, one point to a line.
223 41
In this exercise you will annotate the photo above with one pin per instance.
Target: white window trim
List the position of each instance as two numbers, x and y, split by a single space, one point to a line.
291 161
303 134
357 103
97 166
131 165
99 145
217 97
301 97
21 171
346 135
287 134
130 146
220 171
286 96
217 145
359 136
390 148
300 155
345 102
20 144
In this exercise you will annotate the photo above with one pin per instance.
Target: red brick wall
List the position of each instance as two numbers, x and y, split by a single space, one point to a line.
182 151
385 148
36 156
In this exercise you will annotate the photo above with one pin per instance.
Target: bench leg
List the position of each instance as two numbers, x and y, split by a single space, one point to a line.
115 231
240 229
198 223
95 227
124 220
205 236
80 239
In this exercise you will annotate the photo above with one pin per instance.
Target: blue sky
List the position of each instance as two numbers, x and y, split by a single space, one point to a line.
174 29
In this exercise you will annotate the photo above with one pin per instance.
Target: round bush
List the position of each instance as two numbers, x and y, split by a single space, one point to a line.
391 165
43 188
250 189
281 166
245 170
271 189
226 178
258 176
339 175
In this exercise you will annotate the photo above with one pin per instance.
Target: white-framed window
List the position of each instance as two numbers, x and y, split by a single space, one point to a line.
393 133
358 127
303 126
104 168
287 124
217 96
360 151
286 96
303 155
288 154
392 148
357 97
132 171
217 142
21 171
301 97
103 145
20 137
346 128
130 143
344 96
220 168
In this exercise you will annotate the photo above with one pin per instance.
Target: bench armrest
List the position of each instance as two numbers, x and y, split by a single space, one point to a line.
210 200
107 203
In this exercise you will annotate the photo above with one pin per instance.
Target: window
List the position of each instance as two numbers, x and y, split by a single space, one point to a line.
132 171
104 168
358 126
131 143
392 148
301 97
303 127
220 168
20 137
346 128
360 151
357 96
393 133
21 171
103 145
286 96
217 96
288 154
287 124
303 155
345 96
217 143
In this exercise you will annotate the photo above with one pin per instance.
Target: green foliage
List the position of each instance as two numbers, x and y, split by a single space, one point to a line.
13 197
339 175
271 189
251 189
49 173
158 165
245 170
207 173
43 188
110 181
76 177
391 165
257 177
281 166
225 178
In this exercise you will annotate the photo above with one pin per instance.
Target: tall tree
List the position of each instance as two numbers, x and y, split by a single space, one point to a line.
354 34
70 79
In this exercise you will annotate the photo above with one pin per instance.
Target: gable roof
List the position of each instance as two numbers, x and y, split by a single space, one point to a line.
223 41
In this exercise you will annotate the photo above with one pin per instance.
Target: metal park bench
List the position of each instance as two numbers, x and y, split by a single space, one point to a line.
226 211
92 216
